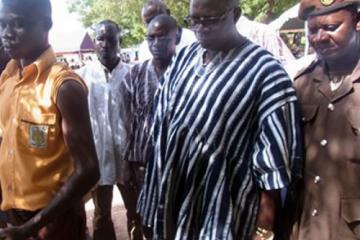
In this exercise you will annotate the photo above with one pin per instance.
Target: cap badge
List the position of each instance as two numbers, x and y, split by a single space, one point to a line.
327 2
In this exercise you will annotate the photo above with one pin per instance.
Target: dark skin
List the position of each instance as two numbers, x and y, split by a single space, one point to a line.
107 45
336 39
155 8
151 10
75 124
22 35
223 36
4 58
161 35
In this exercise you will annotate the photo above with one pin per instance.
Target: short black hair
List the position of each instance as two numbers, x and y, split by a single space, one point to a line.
227 3
235 3
41 8
162 9
165 20
109 22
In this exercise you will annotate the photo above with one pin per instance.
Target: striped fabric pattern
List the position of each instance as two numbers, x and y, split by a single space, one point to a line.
222 132
136 102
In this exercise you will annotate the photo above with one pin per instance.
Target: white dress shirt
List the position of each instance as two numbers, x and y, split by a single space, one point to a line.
104 113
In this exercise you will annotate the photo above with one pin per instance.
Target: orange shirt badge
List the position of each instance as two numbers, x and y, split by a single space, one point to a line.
38 135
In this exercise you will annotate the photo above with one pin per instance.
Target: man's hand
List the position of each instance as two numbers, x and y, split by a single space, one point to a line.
269 204
14 233
256 237
267 236
76 128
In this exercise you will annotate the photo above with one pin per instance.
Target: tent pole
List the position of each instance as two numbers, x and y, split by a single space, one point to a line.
307 46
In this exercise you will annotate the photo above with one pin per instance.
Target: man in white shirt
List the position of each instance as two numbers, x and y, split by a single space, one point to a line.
151 9
103 78
265 37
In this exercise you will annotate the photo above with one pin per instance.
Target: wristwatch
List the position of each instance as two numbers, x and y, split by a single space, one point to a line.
264 233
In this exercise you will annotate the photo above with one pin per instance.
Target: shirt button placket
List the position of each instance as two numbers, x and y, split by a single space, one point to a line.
9 184
317 179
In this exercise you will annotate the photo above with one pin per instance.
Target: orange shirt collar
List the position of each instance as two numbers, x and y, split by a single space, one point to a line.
44 61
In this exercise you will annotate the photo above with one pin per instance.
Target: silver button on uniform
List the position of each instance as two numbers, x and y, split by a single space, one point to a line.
317 179
314 212
331 107
323 142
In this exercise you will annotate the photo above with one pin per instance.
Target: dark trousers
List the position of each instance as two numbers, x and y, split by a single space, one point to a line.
70 225
103 225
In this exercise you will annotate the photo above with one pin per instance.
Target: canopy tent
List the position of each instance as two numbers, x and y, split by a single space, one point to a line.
260 34
288 21
68 35
71 42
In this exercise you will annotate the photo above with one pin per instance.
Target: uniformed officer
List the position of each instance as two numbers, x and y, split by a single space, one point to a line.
329 94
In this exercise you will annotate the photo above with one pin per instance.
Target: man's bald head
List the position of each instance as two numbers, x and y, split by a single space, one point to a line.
153 8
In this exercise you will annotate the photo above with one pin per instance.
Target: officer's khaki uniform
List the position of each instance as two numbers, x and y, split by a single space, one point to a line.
331 119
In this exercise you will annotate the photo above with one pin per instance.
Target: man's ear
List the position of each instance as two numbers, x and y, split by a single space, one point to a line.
237 14
178 35
358 22
47 24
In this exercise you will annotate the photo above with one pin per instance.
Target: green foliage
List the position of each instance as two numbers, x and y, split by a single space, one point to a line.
265 10
127 13
179 9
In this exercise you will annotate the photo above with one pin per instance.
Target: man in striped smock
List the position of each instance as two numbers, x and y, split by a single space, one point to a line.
227 135
136 94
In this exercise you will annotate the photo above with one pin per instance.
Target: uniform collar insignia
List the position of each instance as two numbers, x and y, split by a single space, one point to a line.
327 2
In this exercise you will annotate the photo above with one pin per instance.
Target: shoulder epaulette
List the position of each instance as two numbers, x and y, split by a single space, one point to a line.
307 69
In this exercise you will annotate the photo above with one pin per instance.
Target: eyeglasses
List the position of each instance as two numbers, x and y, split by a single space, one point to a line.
205 21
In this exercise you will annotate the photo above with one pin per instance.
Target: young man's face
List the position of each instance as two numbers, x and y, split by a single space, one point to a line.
161 41
106 43
22 34
333 35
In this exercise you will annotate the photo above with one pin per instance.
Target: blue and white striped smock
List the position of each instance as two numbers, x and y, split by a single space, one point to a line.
222 132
